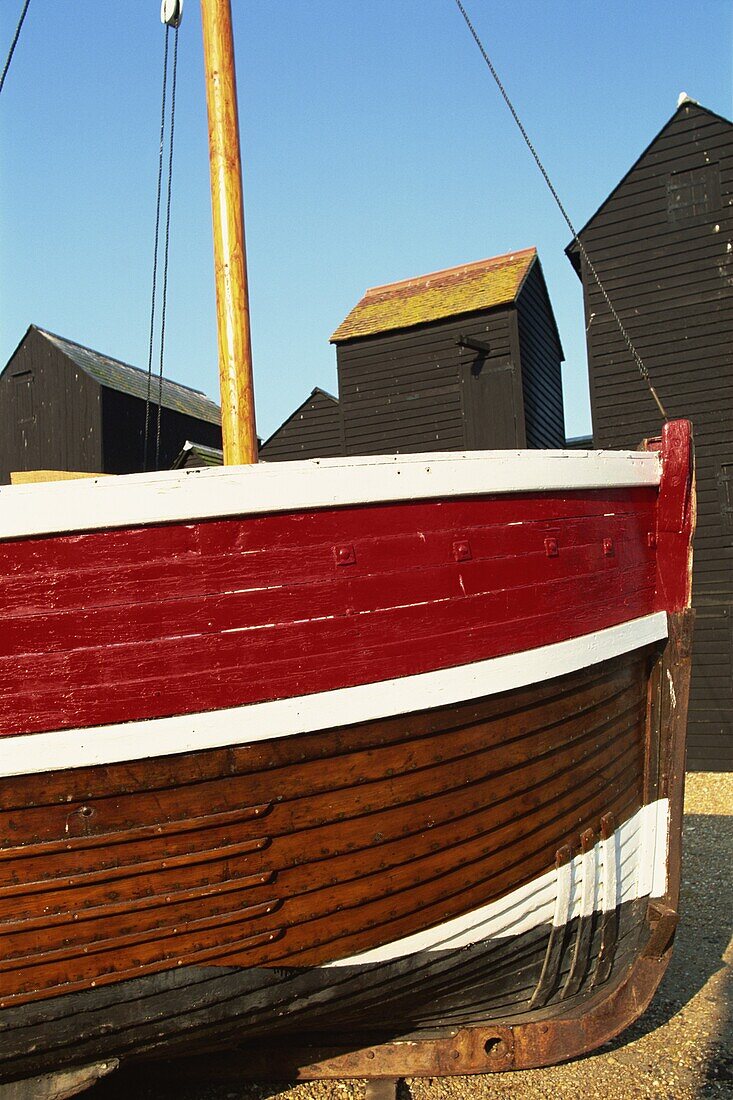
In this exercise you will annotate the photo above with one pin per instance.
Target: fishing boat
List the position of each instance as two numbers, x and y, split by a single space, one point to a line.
358 767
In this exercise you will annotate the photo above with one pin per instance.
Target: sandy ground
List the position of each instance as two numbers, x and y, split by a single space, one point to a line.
681 1048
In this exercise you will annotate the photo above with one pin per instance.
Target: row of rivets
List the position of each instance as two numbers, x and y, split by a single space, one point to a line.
346 555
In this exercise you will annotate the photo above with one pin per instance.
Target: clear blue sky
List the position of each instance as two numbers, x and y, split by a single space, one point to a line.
375 147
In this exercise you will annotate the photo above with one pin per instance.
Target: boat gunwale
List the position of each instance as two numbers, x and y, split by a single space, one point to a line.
202 493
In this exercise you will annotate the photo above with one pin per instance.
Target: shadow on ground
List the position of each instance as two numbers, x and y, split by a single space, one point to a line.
703 938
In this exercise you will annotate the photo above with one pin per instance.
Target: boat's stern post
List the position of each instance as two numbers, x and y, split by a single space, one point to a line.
669 683
666 754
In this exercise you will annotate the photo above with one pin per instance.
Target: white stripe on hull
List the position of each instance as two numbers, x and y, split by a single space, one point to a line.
558 896
74 748
189 495
610 859
589 879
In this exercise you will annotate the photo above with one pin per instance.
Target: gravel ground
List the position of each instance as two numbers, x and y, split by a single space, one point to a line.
681 1048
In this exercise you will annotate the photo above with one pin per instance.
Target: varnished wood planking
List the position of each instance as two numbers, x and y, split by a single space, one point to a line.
358 775
425 865
274 847
225 944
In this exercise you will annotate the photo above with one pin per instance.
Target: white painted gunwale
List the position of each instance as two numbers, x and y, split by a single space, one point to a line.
26 754
558 896
217 492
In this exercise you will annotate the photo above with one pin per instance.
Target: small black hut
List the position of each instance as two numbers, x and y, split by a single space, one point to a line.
66 407
313 430
662 243
465 358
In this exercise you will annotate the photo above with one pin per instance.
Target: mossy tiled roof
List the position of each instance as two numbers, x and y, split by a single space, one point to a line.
449 293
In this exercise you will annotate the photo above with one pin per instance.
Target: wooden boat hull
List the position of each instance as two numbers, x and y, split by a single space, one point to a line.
478 845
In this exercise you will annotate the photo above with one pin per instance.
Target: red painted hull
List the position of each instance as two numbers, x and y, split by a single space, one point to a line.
197 617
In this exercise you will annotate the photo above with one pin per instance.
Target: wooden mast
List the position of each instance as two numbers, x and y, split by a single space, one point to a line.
230 262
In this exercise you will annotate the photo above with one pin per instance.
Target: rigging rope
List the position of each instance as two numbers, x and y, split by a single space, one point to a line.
156 245
629 344
166 238
14 43
155 253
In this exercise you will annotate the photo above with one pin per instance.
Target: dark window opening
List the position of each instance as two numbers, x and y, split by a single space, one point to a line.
693 194
24 397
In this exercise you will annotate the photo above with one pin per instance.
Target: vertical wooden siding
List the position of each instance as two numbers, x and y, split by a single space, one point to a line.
123 433
667 263
50 412
413 390
541 359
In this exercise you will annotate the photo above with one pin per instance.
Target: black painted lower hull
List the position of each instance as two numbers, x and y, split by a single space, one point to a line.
429 993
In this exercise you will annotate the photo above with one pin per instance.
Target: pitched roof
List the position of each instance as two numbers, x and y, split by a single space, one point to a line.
119 376
316 391
463 289
687 107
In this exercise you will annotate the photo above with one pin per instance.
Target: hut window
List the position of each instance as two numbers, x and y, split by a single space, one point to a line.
24 396
693 194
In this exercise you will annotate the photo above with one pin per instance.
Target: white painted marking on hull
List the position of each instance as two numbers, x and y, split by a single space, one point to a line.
589 875
660 875
610 859
188 495
565 880
555 898
75 748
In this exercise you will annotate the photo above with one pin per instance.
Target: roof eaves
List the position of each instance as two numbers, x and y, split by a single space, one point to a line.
535 260
19 345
